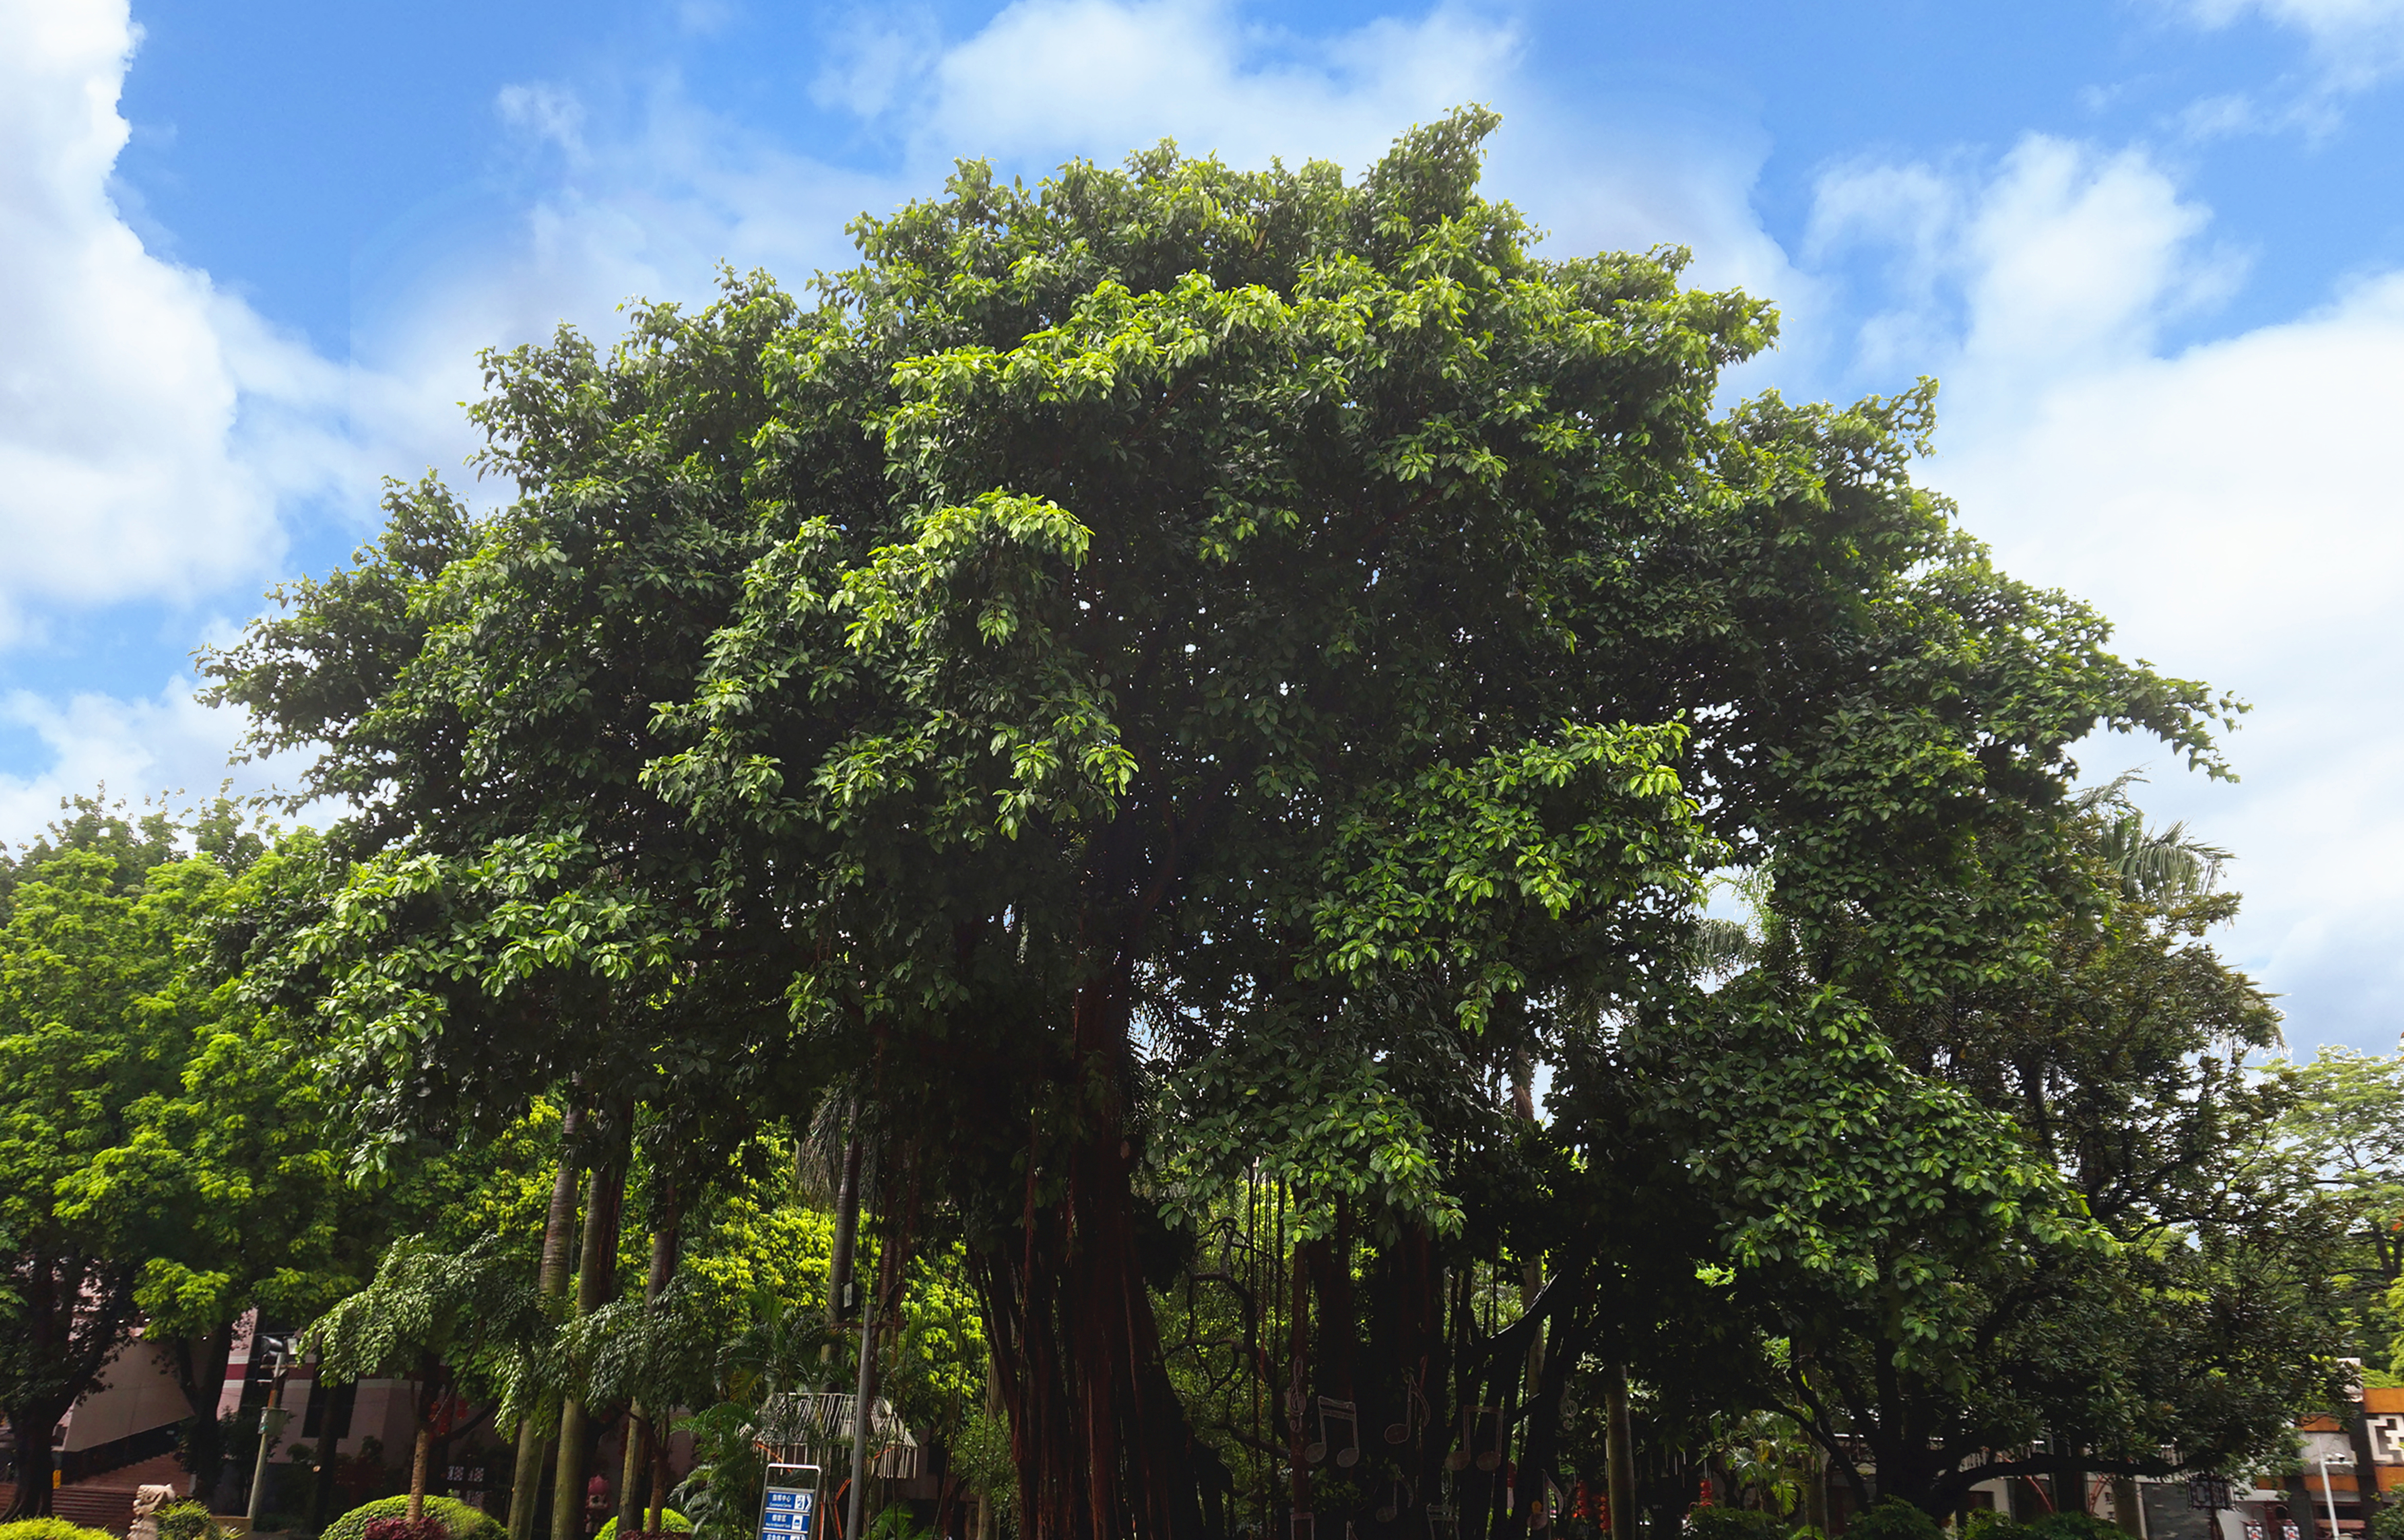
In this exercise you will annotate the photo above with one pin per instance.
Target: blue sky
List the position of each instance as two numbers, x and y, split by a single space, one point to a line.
2153 248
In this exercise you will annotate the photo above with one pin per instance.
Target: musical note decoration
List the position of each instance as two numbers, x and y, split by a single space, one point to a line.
1416 1414
1346 1413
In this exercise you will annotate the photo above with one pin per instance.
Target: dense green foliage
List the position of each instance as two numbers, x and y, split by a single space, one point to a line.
50 1528
160 1152
464 1522
1154 718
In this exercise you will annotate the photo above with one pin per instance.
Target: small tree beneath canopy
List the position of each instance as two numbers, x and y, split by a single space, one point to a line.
446 1320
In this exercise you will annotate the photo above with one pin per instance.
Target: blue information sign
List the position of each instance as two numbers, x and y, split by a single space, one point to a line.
789 1506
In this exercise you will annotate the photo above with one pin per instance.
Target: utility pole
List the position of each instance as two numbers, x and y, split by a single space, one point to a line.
270 1420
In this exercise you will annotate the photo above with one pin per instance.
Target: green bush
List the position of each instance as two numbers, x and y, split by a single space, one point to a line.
464 1522
2051 1526
188 1521
1892 1518
2072 1526
51 1529
2388 1523
1718 1523
669 1519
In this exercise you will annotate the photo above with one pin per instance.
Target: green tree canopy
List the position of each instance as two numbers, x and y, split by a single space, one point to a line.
1130 640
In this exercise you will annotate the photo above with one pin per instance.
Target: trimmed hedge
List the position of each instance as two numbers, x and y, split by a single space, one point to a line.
464 1522
51 1529
2051 1526
188 1521
1892 1518
669 1519
1720 1523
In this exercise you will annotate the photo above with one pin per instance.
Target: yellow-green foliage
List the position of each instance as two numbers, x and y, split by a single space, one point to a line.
51 1529
753 1248
188 1521
508 1190
938 1375
669 1519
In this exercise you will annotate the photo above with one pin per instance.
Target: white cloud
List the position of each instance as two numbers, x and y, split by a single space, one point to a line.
648 199
2232 506
150 426
2058 260
1048 78
2355 42
546 111
166 743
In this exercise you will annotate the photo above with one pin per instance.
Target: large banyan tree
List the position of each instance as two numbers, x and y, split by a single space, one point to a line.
1172 674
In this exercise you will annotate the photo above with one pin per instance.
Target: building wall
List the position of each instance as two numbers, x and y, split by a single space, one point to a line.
138 1393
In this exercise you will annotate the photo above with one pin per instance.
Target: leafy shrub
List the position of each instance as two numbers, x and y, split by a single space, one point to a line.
671 1521
2388 1523
897 1523
51 1529
2071 1526
461 1521
403 1528
722 1492
2051 1526
188 1521
1718 1523
1893 1520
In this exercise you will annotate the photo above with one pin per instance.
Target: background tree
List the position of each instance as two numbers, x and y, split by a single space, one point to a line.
2099 1319
446 1320
105 1036
2343 1125
244 1191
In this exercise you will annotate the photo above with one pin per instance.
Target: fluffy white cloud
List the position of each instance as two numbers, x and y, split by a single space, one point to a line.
165 743
2355 41
150 426
649 203
2232 506
1052 78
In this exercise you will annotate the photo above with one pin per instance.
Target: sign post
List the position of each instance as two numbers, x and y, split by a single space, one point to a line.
788 1505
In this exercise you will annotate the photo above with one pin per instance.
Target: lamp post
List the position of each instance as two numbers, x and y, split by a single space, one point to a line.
271 1418
2208 1493
2328 1493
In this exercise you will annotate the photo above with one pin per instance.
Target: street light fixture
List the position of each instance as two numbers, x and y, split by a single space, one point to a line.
2328 1493
270 1419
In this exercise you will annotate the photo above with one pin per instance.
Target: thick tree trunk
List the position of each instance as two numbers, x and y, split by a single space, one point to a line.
34 1432
2070 1478
1620 1454
1097 1432
200 1375
2124 1501
597 1276
558 1242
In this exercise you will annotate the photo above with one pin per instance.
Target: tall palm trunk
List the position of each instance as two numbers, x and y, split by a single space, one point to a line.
645 1446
